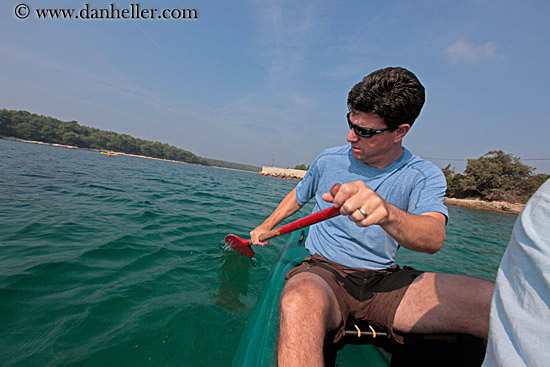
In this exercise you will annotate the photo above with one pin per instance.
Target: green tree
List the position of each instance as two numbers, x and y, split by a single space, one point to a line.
29 130
302 167
453 182
114 142
128 144
71 138
48 134
5 123
496 176
531 184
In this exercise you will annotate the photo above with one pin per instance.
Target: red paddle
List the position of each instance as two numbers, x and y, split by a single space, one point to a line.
243 246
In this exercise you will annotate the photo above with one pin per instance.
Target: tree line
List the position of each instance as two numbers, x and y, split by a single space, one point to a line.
29 126
494 176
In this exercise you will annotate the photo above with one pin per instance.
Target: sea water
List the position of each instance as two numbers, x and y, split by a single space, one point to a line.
120 261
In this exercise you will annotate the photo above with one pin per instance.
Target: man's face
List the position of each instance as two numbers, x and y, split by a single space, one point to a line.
376 150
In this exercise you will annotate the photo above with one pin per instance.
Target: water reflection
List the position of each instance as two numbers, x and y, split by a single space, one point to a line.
234 279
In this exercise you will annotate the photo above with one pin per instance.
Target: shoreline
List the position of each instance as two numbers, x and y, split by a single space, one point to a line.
88 149
112 152
491 206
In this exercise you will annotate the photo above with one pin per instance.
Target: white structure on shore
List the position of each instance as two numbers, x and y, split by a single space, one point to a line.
291 174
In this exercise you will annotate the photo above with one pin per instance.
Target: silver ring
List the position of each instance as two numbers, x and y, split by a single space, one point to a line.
362 211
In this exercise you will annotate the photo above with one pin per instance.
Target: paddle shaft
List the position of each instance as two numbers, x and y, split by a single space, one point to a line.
301 223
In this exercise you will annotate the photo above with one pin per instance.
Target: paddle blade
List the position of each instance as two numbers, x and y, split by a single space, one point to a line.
239 245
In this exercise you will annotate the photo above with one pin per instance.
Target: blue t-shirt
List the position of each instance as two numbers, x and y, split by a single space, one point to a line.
410 183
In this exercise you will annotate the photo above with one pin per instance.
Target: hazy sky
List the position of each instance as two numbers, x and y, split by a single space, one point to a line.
263 82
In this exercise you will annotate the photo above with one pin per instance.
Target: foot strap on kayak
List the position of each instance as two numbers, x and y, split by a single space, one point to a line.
358 333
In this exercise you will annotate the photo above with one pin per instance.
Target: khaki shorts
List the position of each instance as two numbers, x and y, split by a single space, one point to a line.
368 295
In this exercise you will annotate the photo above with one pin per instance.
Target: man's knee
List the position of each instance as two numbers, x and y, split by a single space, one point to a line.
301 290
309 294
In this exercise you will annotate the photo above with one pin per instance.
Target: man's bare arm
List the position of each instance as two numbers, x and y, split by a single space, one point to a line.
288 206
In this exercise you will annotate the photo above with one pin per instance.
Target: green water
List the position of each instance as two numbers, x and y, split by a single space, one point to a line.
120 261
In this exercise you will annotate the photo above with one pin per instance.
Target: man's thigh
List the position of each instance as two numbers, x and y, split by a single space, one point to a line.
445 303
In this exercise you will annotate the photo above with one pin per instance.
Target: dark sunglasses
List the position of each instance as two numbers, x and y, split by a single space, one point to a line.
365 132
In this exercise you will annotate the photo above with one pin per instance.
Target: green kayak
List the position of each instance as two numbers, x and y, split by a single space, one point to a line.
257 346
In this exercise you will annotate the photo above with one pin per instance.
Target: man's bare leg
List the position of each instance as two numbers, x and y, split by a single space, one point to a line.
446 303
308 309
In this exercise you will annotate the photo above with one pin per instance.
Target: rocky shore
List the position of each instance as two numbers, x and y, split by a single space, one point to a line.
493 206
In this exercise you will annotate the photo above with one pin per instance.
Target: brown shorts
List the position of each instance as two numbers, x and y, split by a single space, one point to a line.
368 295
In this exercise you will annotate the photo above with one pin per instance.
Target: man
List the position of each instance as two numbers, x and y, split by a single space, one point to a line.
388 198
519 328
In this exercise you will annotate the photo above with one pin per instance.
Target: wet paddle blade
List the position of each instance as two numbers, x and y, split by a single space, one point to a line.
239 245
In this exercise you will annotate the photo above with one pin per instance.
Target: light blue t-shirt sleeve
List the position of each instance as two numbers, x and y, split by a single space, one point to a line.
307 187
429 193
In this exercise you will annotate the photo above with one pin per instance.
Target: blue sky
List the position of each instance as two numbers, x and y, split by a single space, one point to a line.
266 82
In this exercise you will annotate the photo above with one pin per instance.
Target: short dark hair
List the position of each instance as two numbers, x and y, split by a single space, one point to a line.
393 93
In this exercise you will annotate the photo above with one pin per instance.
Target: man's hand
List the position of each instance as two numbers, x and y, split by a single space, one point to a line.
418 232
256 233
353 198
288 206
